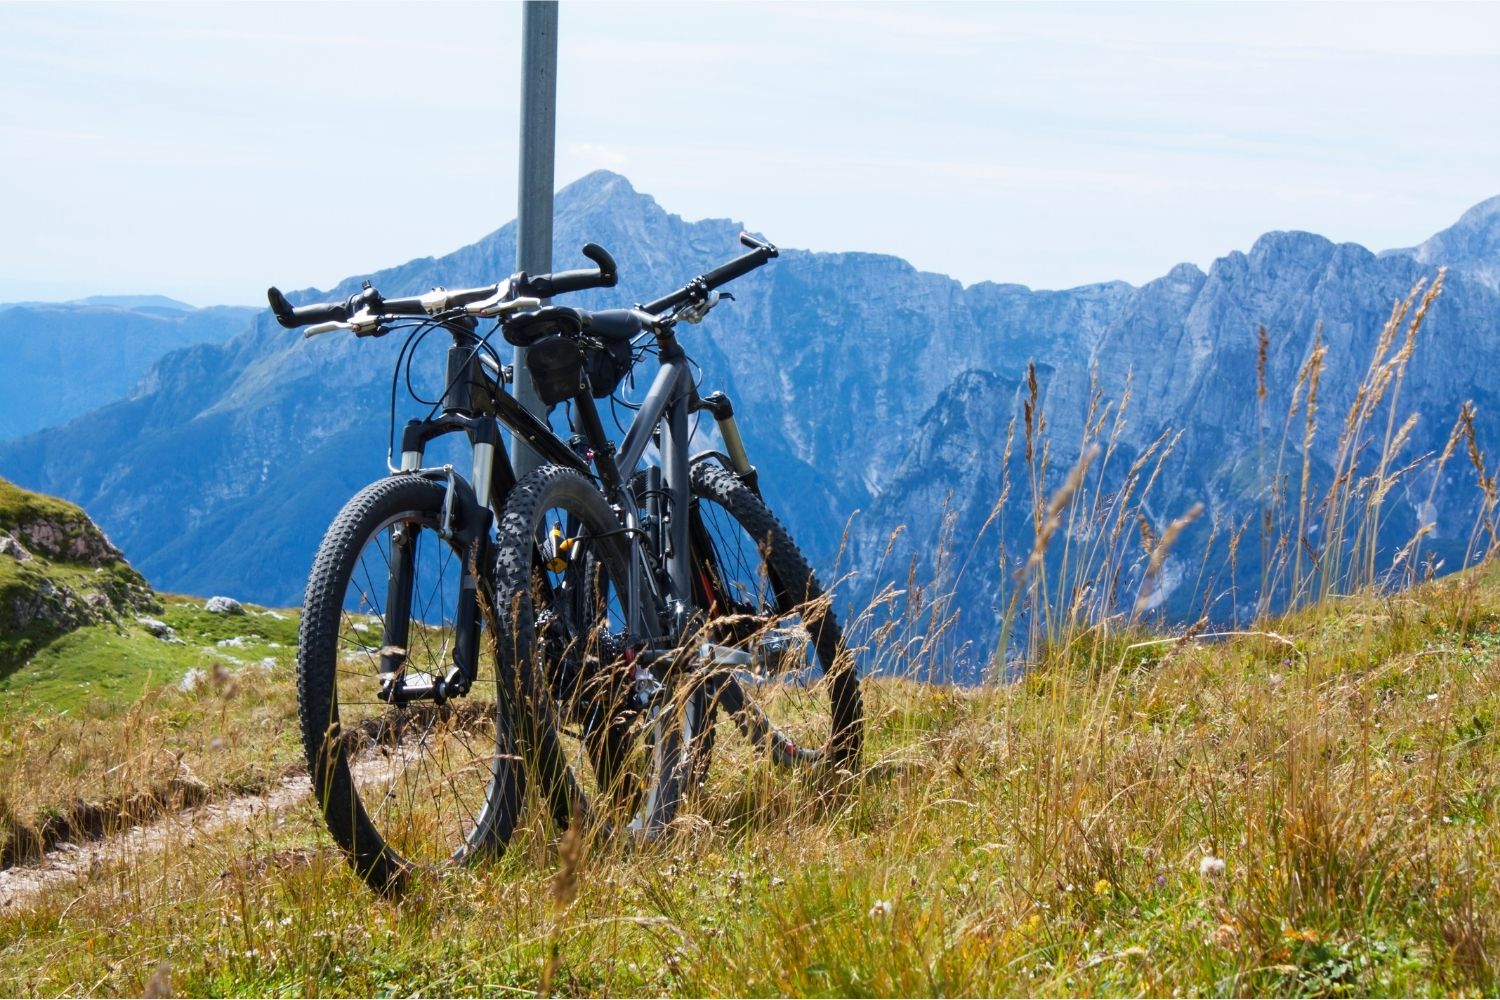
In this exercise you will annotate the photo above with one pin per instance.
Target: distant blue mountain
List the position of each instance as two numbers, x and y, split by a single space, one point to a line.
133 302
64 359
864 385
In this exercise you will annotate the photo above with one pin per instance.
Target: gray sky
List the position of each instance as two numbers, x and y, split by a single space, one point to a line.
205 151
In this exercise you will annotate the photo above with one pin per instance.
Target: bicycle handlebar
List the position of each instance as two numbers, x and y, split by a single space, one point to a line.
369 300
699 287
524 328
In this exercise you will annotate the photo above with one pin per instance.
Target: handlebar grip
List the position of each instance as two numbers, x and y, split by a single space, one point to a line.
544 286
607 268
700 286
741 265
291 317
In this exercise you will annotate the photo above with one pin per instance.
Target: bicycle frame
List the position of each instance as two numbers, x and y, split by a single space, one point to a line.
666 407
477 404
662 419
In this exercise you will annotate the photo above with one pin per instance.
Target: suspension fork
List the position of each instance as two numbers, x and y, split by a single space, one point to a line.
465 523
734 446
397 601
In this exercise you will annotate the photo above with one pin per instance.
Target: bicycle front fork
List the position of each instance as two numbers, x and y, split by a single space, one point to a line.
734 446
465 522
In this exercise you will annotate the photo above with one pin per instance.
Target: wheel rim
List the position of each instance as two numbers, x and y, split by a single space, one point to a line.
427 776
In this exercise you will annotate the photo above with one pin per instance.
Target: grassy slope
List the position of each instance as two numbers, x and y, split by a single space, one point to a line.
1046 838
20 581
97 715
115 664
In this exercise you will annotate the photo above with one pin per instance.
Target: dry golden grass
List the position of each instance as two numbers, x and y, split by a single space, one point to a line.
1307 809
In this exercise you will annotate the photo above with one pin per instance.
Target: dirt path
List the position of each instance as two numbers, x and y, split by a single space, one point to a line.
68 862
76 862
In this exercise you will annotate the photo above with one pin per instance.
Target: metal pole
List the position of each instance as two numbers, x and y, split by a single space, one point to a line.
534 211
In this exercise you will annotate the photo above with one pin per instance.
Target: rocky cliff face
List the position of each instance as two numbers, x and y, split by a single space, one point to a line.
57 572
865 385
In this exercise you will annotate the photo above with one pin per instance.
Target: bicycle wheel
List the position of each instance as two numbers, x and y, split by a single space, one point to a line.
793 694
601 730
413 784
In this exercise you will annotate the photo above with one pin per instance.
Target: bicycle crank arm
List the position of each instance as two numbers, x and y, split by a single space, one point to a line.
704 654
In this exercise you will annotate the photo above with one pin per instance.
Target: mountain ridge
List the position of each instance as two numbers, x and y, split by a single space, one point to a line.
836 360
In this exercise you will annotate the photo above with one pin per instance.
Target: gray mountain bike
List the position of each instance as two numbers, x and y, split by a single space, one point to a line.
641 602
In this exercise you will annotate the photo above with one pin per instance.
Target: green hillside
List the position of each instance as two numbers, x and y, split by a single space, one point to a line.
58 573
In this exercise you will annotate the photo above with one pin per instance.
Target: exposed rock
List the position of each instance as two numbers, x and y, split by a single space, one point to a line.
46 542
160 629
155 626
10 547
223 606
78 541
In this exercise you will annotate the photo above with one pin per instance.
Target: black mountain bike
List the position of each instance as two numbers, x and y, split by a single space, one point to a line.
638 604
411 756
624 626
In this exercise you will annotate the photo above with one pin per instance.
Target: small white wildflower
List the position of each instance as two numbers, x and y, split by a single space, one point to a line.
881 909
1211 867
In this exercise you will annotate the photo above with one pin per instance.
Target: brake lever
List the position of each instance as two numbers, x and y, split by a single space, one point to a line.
319 328
694 312
363 324
499 305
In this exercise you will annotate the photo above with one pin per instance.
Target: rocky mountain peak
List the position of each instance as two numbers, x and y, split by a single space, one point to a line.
1282 245
599 186
1470 245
